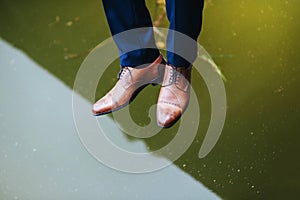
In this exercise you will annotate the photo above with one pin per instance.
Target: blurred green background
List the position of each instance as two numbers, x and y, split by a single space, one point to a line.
254 43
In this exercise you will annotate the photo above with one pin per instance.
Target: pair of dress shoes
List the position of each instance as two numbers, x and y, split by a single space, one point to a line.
173 97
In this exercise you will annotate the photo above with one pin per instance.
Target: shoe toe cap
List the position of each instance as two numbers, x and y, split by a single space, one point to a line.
101 107
167 115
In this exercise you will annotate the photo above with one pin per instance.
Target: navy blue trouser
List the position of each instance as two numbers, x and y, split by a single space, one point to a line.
185 16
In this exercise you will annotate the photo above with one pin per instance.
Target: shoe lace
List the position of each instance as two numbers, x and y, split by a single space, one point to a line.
122 72
174 76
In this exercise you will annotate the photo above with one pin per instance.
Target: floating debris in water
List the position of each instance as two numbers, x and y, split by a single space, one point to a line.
160 45
209 60
161 2
69 23
77 55
56 21
279 90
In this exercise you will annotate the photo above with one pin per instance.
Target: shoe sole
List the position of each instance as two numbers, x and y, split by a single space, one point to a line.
134 95
171 124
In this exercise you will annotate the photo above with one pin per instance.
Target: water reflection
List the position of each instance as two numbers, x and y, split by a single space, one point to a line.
41 156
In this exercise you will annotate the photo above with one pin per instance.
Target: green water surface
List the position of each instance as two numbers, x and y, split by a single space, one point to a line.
254 43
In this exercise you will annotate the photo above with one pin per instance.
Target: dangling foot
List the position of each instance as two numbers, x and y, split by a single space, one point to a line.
131 81
174 95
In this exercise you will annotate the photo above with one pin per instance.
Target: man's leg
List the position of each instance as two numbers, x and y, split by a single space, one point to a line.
123 15
185 17
140 65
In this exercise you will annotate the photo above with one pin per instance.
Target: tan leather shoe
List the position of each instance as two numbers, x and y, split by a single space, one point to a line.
131 81
174 95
